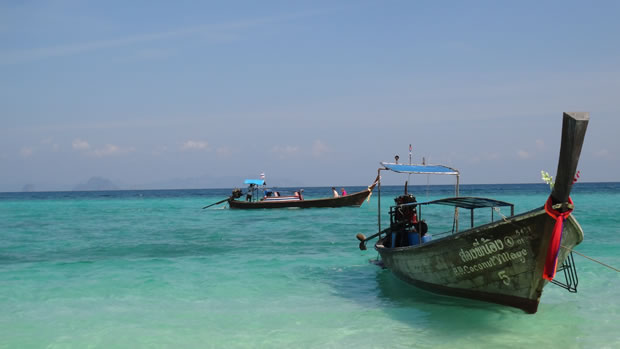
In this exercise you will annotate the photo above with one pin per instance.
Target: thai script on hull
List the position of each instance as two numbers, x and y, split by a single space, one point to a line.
481 250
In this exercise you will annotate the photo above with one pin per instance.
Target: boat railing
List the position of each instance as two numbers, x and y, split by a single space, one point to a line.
406 216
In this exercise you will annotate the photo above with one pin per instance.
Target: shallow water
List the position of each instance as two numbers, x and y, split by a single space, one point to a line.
152 269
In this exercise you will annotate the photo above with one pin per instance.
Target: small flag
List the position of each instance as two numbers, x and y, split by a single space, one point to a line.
576 178
262 175
410 148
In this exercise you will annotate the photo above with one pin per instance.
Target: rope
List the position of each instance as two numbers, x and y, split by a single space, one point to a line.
551 260
592 259
501 214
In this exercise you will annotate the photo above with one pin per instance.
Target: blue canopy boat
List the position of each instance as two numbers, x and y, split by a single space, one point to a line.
258 196
506 261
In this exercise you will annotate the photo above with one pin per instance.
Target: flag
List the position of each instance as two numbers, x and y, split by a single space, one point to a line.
576 178
262 175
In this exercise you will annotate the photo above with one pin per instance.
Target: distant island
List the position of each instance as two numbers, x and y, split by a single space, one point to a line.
99 183
96 183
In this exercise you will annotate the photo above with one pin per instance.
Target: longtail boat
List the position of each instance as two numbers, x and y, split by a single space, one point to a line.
507 261
258 196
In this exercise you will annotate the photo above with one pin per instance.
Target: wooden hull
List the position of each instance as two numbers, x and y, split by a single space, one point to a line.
501 262
356 199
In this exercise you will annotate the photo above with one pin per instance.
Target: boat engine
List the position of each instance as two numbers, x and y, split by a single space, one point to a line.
405 215
236 193
406 229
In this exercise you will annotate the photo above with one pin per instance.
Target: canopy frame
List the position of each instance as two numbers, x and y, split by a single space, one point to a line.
417 169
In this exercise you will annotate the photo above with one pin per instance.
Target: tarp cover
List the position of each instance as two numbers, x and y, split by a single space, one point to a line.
255 181
421 169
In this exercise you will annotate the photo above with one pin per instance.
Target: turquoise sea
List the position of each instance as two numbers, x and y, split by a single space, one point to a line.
151 269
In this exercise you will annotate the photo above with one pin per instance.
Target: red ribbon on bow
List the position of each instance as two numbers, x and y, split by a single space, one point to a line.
551 261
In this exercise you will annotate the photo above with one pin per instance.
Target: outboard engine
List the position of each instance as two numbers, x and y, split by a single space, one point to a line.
236 193
403 221
405 215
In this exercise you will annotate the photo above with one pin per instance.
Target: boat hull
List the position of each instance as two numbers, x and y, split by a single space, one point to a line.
501 262
356 199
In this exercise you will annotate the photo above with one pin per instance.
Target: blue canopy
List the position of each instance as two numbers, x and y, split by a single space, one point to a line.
420 169
255 181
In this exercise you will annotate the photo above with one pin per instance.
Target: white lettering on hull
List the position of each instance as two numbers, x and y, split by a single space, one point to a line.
493 261
486 254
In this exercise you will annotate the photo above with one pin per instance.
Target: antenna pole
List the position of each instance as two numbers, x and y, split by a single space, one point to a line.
409 154
379 201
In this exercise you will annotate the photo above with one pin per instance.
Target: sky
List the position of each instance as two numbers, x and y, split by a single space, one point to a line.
203 94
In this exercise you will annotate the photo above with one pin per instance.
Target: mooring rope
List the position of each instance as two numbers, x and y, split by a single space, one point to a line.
592 259
497 209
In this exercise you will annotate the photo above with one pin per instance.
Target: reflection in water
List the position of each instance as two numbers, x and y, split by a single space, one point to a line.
414 307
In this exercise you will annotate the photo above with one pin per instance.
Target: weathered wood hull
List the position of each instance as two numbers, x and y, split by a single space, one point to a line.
356 199
501 262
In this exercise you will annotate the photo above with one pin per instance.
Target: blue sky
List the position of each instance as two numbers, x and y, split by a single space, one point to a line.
313 93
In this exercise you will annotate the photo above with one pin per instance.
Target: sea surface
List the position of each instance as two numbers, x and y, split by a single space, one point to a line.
152 269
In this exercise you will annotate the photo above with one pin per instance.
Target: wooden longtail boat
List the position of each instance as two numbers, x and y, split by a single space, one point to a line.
508 261
298 201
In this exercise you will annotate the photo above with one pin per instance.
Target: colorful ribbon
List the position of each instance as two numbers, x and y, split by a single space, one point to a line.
551 261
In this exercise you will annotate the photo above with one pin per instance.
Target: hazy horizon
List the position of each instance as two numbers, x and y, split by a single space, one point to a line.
392 183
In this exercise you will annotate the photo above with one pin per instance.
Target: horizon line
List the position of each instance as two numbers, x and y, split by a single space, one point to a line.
329 186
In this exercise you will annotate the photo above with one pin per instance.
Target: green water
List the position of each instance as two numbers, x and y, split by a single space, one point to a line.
152 269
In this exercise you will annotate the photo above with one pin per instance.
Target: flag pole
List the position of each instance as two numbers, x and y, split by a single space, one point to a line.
409 154
409 175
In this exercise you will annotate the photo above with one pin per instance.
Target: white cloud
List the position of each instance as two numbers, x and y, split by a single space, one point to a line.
26 151
111 149
195 145
601 153
492 156
285 151
152 54
106 150
540 144
160 150
211 32
523 154
319 148
79 144
479 158
50 143
475 160
224 151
